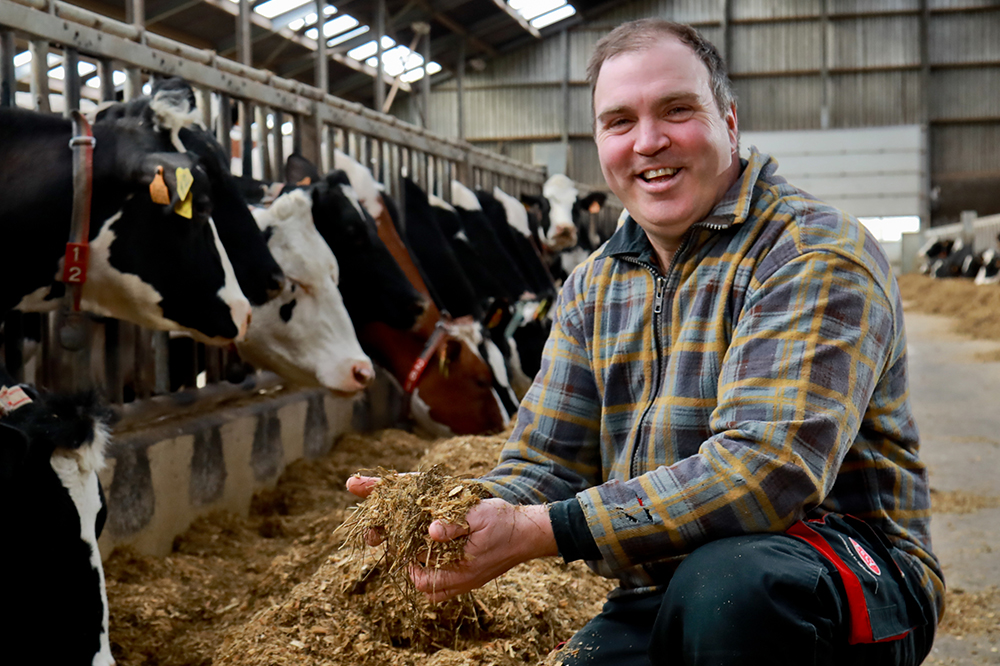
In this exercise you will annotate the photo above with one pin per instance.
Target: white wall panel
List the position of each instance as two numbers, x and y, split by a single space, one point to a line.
874 171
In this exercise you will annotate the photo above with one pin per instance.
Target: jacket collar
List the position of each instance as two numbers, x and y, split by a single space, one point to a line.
734 208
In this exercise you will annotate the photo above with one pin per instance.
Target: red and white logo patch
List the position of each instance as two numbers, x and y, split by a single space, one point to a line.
866 558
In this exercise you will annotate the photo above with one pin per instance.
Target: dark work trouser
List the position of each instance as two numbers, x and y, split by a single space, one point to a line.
759 599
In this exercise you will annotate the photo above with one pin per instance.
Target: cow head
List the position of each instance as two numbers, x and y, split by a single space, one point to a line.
373 285
169 120
50 452
305 335
148 264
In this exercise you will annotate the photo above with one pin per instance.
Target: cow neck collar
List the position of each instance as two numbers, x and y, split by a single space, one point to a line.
434 342
78 246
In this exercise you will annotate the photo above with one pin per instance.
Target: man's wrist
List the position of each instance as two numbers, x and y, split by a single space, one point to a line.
536 530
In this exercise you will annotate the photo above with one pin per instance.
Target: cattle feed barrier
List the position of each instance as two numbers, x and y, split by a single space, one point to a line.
181 453
984 231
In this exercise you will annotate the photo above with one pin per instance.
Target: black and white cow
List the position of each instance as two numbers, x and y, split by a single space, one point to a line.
305 335
989 271
51 448
562 221
169 112
147 264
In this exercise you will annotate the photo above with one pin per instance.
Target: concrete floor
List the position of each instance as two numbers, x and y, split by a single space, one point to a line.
957 402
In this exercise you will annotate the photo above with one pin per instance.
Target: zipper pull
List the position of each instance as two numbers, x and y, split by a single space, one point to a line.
661 285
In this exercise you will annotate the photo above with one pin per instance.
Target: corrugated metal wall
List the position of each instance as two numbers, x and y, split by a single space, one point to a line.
869 49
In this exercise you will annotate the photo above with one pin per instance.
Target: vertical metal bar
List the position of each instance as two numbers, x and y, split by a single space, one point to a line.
426 87
246 137
265 151
826 43
460 84
297 134
8 79
379 68
279 146
322 78
135 13
160 343
225 127
925 116
71 92
40 74
106 73
203 98
564 90
727 34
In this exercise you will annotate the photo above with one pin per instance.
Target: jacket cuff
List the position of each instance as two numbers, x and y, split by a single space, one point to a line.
573 537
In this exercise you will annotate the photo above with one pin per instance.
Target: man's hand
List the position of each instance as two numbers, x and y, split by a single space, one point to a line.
501 536
362 486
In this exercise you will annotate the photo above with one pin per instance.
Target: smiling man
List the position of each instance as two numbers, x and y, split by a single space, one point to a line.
721 420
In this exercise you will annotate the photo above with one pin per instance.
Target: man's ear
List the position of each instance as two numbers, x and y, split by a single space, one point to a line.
733 127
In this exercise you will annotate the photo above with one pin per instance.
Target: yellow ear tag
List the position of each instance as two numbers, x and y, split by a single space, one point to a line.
158 191
183 207
184 182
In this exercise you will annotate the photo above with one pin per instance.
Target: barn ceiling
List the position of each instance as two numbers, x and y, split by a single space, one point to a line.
284 32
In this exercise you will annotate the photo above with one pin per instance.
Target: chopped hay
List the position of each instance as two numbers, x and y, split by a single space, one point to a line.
975 308
401 509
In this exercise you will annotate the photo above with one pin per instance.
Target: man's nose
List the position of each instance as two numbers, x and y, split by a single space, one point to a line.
651 138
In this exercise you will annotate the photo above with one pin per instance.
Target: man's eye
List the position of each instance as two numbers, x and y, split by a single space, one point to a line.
680 111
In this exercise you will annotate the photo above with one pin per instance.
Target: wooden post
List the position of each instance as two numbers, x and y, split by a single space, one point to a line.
826 43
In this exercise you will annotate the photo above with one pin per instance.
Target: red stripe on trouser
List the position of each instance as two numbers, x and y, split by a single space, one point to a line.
861 625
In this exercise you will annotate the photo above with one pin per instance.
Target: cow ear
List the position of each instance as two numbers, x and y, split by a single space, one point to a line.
298 169
530 199
594 201
13 449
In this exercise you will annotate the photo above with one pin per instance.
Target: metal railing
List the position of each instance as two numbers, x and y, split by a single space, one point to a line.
133 364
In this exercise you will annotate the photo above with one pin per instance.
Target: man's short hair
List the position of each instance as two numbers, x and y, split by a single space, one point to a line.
644 33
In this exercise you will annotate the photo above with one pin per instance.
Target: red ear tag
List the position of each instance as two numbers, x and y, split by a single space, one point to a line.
75 264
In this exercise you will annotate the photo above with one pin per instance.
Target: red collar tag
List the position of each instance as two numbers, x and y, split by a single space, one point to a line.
420 365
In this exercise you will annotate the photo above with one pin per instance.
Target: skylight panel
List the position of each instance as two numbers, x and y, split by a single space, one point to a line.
541 10
273 8
369 49
350 34
555 15
335 26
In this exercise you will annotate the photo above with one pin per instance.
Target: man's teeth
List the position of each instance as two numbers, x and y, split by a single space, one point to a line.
657 173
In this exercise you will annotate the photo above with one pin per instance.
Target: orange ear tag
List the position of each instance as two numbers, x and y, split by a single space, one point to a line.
594 207
305 181
158 191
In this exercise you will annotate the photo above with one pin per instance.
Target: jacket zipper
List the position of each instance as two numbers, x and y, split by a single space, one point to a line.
661 282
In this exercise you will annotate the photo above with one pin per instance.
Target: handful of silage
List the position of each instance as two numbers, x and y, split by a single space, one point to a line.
401 509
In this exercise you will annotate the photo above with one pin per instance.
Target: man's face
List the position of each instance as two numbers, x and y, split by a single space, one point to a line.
665 149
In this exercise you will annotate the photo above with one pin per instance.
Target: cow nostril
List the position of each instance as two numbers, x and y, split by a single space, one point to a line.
363 374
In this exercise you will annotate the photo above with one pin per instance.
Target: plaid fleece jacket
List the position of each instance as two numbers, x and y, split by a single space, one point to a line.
759 380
